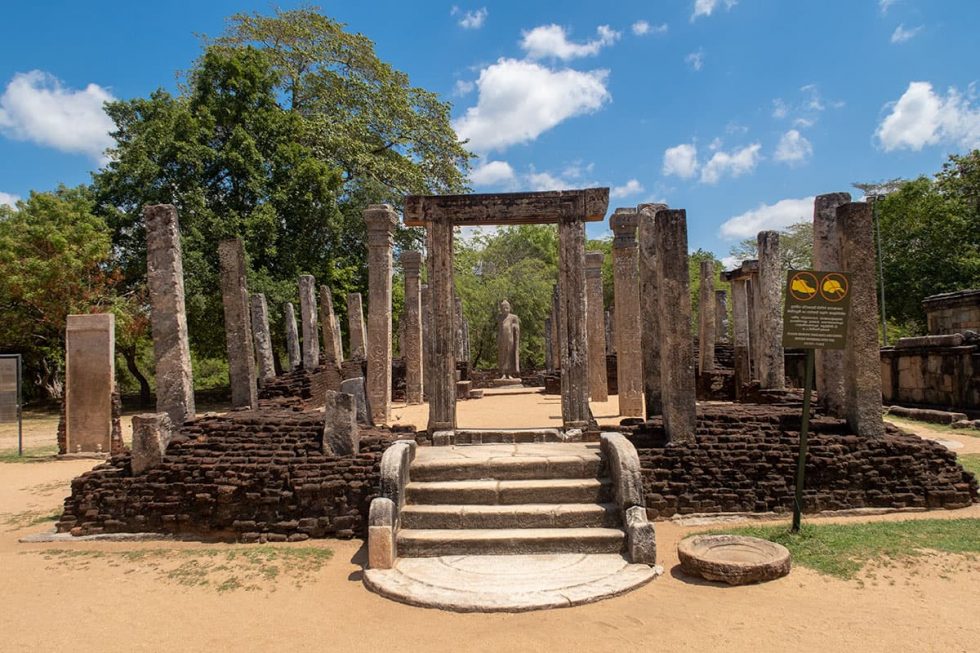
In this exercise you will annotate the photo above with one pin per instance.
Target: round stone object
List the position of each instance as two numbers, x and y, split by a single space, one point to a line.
733 559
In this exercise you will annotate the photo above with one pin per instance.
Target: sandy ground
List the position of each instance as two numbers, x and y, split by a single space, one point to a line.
136 596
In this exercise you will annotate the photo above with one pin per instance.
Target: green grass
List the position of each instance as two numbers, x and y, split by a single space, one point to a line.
31 455
843 550
912 424
970 462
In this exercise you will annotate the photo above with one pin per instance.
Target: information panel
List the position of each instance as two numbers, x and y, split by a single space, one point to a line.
9 396
816 310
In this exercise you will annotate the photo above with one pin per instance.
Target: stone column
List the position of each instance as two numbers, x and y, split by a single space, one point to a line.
356 328
459 346
754 310
828 363
862 362
90 380
412 320
381 220
262 337
771 283
441 382
292 338
629 353
610 340
557 335
238 329
308 317
598 388
549 363
706 318
333 350
676 348
574 343
426 338
650 308
168 317
740 317
721 316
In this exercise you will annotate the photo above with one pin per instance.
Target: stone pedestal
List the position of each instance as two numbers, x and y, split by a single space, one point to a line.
381 220
828 363
862 363
676 347
650 308
771 283
90 349
292 338
168 318
706 318
629 358
598 388
356 328
333 350
308 319
262 337
721 316
574 334
441 379
238 329
412 320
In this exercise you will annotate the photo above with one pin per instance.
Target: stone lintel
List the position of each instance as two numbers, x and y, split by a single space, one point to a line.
548 207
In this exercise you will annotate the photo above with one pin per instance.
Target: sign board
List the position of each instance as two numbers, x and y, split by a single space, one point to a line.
9 389
816 309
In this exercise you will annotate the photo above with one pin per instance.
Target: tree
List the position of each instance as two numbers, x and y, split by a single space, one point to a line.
795 247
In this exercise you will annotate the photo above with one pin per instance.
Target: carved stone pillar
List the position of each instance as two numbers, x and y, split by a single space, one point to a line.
381 220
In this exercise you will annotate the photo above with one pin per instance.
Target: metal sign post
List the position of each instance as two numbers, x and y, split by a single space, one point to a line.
814 317
11 404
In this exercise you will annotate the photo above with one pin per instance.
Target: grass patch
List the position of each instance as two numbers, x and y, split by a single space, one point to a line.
843 550
970 462
914 424
31 454
220 569
18 520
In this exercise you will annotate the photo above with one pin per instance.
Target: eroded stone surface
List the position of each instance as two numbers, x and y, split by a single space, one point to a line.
238 325
89 381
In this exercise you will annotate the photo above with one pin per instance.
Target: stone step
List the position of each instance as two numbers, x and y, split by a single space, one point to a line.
529 515
421 543
505 468
494 492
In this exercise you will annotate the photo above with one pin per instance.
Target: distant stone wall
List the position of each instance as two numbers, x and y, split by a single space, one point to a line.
953 312
943 375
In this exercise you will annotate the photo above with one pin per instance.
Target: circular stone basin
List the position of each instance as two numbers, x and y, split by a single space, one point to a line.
733 559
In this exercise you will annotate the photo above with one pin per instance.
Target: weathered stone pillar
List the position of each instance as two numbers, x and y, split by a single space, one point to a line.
650 308
574 343
459 337
441 382
292 338
557 333
771 282
262 337
740 318
412 320
90 380
333 350
426 338
308 317
721 316
676 347
238 328
629 354
598 388
706 318
610 330
862 363
828 363
381 220
549 363
168 317
755 310
356 328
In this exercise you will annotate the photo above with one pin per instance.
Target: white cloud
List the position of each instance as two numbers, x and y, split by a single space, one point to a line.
884 5
779 109
730 262
921 117
470 19
463 87
519 100
901 35
642 28
768 216
36 107
707 7
736 128
539 181
695 60
8 199
793 148
492 173
734 164
681 160
551 41
631 187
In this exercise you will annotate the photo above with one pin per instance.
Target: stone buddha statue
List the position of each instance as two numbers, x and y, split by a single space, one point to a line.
508 342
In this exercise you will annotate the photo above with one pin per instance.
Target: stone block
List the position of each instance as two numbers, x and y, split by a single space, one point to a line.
355 387
340 432
89 381
152 433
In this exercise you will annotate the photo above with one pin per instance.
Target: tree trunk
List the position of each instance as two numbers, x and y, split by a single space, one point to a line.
129 353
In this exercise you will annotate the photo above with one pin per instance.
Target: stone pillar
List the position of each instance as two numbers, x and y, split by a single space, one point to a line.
574 340
356 327
828 363
754 329
549 363
862 363
90 380
721 316
610 340
598 388
650 308
441 381
426 338
771 283
262 337
308 318
152 433
557 335
459 344
238 329
340 433
676 346
629 354
381 220
333 350
292 338
740 318
412 320
168 317
706 318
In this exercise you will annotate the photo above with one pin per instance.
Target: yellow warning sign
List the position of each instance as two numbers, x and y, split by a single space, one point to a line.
816 310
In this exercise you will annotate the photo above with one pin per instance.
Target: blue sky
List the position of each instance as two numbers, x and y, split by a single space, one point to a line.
738 112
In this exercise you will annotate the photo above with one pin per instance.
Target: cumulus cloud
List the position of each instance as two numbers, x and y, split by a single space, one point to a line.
470 19
463 87
492 173
734 164
793 148
540 181
695 60
631 187
681 161
901 35
707 7
922 117
642 28
768 216
8 199
518 100
36 107
551 41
